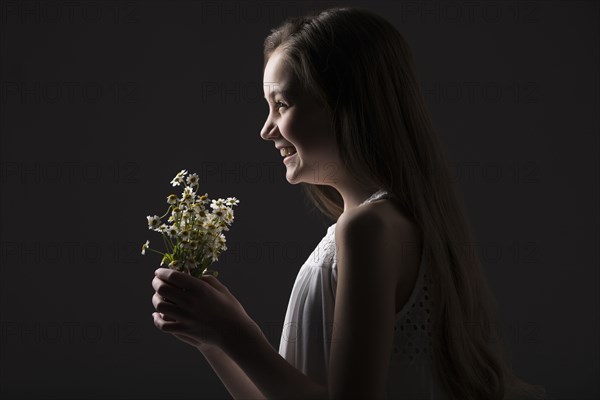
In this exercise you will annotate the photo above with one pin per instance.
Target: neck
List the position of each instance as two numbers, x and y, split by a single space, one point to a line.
353 193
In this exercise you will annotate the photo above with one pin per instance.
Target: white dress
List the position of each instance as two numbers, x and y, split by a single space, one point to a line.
306 336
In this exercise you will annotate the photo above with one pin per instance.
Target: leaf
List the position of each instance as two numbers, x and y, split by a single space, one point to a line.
166 258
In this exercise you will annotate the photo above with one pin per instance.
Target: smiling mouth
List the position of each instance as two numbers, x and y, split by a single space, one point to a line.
286 159
287 151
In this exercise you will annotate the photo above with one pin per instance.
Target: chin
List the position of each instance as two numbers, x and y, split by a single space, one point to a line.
293 173
293 177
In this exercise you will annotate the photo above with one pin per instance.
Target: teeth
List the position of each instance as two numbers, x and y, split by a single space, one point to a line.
287 151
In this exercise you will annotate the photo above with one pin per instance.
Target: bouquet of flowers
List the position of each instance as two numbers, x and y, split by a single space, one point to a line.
194 237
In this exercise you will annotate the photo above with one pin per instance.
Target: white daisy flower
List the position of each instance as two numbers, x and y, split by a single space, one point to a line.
162 228
192 180
217 203
229 216
188 195
196 208
172 199
223 226
210 227
153 222
172 231
179 178
219 211
232 201
201 213
145 246
203 199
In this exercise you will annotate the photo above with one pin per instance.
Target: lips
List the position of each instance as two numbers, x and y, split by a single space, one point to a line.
287 151
288 159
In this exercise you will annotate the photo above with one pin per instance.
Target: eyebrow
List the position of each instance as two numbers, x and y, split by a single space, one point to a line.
276 90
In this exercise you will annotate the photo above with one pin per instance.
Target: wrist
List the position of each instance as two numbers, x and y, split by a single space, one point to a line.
208 351
243 336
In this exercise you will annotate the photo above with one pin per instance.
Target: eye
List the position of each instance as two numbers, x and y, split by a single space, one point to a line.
279 104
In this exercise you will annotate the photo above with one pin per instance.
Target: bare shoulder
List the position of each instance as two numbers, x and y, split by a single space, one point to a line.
382 230
381 219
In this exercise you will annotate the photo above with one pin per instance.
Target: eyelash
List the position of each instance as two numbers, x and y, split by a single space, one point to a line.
279 102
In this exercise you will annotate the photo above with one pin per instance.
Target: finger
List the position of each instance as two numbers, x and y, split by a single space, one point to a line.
214 282
166 317
176 278
169 292
156 283
166 326
170 309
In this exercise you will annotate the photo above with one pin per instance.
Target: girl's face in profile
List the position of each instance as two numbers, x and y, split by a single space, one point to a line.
297 120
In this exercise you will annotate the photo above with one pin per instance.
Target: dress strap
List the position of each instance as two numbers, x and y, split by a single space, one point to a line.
381 193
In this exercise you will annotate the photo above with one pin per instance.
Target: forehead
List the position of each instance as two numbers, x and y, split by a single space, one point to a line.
277 76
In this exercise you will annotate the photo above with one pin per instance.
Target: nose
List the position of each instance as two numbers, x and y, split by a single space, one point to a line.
269 130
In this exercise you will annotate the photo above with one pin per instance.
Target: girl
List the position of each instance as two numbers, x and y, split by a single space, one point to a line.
389 305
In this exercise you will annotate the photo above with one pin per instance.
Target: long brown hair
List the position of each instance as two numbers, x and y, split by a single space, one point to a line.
360 67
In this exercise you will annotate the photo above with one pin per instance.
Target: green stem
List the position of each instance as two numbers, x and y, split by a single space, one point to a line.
168 209
171 242
166 244
148 248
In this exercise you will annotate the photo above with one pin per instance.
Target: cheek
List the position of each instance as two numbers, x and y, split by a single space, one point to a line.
305 133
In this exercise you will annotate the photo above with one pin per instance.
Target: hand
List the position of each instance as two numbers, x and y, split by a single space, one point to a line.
199 311
202 346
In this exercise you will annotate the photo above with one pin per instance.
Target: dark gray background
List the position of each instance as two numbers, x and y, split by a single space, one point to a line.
103 102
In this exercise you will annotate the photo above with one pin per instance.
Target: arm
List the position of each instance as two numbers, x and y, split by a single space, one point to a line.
231 375
246 362
234 379
364 307
272 374
370 262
